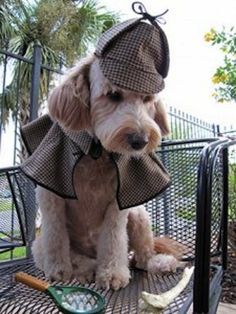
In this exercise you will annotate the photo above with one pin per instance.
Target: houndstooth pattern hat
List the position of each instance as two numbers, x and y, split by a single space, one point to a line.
135 55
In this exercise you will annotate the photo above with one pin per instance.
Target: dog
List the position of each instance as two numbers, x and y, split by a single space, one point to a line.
90 222
90 238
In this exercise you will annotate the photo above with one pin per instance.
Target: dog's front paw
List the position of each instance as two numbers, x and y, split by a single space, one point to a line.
84 272
58 272
162 263
116 278
87 277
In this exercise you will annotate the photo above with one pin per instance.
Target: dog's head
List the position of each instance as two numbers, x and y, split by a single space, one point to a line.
125 122
112 93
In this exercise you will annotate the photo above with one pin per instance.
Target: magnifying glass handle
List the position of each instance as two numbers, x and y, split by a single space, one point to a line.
31 281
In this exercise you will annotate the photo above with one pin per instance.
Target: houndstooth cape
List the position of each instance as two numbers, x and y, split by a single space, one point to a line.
54 153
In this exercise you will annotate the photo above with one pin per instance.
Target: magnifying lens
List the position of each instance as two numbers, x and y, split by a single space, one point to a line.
75 300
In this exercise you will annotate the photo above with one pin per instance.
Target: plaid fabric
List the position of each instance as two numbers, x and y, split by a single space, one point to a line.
52 163
134 55
37 130
55 152
146 179
112 33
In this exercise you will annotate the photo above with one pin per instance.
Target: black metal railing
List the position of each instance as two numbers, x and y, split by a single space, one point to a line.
23 103
181 209
193 211
186 126
24 87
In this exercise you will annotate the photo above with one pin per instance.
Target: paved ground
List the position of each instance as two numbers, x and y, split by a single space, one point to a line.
223 308
226 308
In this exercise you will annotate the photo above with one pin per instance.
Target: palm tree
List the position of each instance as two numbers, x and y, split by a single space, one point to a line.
65 30
6 29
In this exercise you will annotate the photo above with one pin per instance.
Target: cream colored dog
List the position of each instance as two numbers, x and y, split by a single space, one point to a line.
90 237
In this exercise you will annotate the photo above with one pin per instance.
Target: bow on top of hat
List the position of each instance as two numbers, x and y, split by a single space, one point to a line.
133 55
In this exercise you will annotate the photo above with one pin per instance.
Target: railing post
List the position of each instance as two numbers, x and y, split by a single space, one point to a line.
225 208
35 82
218 130
214 129
34 98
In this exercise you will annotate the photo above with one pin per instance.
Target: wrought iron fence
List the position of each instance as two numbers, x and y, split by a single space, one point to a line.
24 107
186 126
24 87
23 99
229 132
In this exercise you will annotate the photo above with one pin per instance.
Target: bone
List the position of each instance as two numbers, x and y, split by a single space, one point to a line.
153 303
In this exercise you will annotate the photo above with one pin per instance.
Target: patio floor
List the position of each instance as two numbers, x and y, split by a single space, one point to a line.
226 308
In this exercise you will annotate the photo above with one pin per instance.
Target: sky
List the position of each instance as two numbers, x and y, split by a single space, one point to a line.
192 60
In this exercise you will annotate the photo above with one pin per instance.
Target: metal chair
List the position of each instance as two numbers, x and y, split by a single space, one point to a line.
193 211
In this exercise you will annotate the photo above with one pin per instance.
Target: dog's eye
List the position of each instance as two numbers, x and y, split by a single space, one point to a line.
147 98
115 96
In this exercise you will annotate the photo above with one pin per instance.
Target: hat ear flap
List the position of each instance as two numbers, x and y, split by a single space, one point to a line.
69 102
161 117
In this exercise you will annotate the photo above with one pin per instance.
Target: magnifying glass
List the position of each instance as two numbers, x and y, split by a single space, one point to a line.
75 300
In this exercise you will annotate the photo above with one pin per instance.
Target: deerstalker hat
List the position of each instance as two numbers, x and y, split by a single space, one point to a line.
135 54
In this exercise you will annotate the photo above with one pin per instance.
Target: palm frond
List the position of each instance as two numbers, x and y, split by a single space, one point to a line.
6 28
63 28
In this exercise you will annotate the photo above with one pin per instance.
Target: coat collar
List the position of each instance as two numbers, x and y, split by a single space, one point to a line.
54 153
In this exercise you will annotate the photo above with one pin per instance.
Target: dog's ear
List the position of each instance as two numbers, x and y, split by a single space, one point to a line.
161 117
69 102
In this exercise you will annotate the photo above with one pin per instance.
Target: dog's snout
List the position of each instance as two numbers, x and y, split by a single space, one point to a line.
137 141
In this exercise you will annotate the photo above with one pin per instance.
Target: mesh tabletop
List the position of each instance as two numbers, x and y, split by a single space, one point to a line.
16 298
198 188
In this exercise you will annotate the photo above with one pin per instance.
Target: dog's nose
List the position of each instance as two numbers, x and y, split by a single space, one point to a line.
137 141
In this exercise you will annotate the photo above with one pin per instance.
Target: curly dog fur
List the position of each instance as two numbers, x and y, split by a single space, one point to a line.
90 238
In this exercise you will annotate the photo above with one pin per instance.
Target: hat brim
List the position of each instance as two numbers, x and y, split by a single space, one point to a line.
131 78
